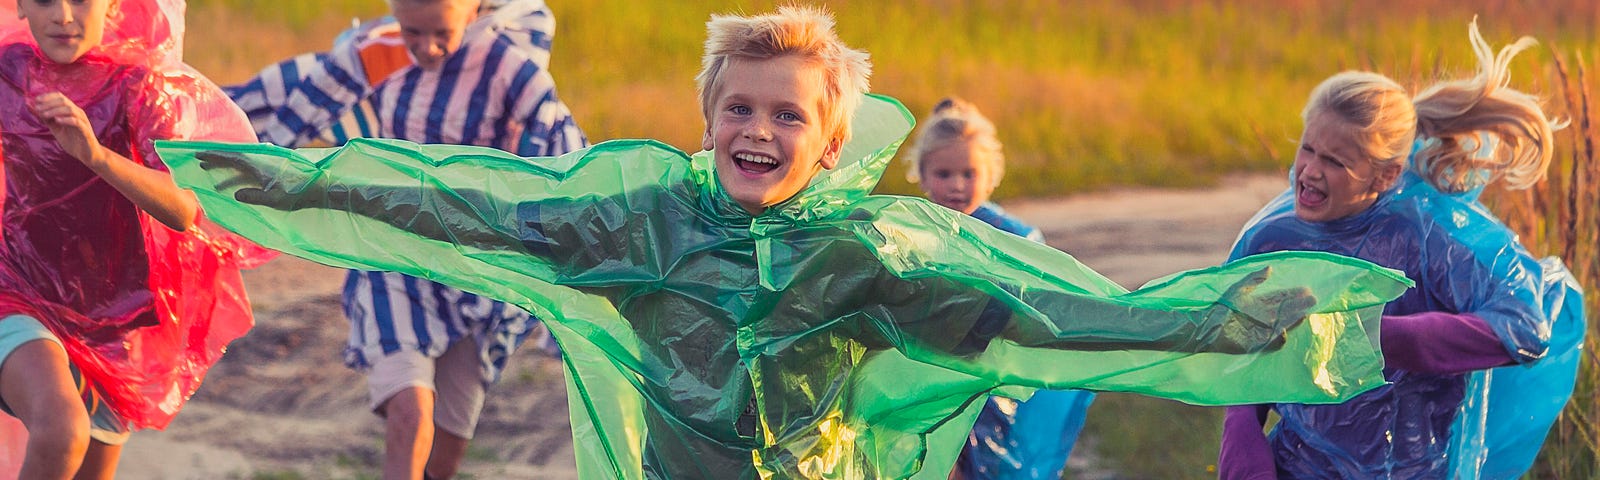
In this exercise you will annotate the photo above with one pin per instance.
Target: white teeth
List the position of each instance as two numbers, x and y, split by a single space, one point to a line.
753 158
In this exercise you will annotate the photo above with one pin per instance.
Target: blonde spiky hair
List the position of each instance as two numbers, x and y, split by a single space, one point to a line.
806 32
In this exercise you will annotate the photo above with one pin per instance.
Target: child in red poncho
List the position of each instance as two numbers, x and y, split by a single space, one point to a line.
115 297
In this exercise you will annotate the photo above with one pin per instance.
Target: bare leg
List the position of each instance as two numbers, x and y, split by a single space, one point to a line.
447 452
36 384
408 426
100 463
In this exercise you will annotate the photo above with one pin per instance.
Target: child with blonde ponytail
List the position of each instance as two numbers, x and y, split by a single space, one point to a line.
1481 300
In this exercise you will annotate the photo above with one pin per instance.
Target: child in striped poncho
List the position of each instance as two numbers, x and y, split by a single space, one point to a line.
438 71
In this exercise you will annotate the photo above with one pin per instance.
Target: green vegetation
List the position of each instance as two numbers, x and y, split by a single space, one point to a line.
1561 216
1087 94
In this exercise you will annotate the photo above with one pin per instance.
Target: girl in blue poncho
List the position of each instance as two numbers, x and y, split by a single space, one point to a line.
958 162
1479 301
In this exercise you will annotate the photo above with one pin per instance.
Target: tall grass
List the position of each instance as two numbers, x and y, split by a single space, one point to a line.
1561 216
1087 93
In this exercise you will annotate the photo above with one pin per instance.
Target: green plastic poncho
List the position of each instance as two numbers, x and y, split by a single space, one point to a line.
836 335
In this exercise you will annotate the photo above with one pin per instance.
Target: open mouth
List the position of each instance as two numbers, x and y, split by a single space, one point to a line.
755 164
1309 196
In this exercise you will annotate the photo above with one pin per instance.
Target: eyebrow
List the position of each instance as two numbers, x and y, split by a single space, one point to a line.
742 98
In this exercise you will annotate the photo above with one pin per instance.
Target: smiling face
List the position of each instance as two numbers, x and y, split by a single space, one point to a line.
1332 178
766 129
65 29
959 175
432 30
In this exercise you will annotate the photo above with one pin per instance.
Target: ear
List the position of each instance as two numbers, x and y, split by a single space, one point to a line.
706 143
1388 175
830 156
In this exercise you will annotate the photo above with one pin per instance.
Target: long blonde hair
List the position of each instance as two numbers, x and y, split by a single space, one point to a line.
1472 131
955 120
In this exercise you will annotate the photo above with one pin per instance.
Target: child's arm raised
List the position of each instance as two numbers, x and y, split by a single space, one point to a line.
151 190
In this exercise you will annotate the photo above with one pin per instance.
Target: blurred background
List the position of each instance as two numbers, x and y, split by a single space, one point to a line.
1088 95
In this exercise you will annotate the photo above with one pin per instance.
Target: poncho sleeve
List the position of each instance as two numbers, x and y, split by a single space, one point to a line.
974 299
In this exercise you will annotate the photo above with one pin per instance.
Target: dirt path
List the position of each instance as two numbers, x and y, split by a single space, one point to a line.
281 405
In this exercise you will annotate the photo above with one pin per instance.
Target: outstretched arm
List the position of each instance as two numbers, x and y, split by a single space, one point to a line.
963 320
434 211
961 295
453 215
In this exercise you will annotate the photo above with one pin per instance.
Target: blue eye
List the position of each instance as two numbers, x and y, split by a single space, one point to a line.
739 110
789 117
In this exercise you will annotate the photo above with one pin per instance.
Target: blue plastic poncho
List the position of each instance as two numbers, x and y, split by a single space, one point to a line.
1029 439
1487 424
835 335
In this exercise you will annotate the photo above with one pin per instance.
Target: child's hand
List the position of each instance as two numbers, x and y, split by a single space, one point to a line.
1255 322
280 188
70 126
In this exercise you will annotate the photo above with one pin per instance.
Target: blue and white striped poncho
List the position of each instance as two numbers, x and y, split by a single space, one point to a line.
495 91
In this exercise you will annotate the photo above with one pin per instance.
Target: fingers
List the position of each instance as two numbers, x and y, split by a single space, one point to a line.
254 196
1300 300
248 173
1290 301
55 108
214 159
1249 283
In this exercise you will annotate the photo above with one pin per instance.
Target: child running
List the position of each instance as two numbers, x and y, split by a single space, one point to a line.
480 77
957 159
115 297
751 311
1481 302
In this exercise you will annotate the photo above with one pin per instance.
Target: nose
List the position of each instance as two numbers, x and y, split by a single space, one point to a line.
63 13
960 183
1306 171
758 131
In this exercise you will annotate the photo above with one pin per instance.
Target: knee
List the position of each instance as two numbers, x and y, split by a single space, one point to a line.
412 407
65 432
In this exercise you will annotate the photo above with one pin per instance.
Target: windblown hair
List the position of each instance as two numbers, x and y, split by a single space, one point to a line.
803 31
954 121
1471 132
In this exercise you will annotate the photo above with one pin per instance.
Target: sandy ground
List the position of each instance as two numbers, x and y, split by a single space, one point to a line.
281 405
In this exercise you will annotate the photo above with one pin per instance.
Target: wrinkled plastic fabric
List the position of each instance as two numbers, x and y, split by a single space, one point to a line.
1029 439
836 335
1489 424
141 309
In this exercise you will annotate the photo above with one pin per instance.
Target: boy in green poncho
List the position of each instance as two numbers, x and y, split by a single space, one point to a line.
751 311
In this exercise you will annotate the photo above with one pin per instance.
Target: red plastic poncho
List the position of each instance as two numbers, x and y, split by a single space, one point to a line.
141 309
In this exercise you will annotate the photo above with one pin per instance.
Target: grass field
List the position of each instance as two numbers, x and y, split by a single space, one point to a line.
1087 94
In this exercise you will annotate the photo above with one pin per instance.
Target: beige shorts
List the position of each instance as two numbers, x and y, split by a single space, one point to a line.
453 378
